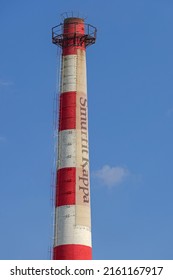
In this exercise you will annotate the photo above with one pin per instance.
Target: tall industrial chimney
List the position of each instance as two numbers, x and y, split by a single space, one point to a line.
72 231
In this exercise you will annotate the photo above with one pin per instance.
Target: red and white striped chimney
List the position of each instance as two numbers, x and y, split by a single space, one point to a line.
72 232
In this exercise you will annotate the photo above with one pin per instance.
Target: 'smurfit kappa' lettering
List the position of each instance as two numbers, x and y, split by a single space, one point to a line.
84 179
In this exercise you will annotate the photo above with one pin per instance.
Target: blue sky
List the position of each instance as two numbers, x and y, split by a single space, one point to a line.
130 92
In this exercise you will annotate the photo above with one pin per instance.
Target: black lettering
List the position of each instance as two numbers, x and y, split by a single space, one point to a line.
84 140
12 272
84 132
85 162
67 271
84 151
85 180
85 173
86 193
84 102
83 125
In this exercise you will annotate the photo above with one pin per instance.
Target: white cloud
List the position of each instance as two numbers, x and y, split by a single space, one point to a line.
2 139
111 176
6 86
169 113
5 83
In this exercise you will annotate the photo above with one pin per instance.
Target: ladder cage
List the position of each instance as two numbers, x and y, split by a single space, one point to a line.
62 39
